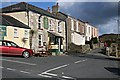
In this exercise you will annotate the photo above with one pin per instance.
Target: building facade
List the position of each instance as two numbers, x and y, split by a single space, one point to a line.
14 30
90 32
47 30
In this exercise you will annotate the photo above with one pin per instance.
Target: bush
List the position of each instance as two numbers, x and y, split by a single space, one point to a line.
94 40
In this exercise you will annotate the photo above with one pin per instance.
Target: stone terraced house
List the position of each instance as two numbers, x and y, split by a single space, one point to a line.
47 29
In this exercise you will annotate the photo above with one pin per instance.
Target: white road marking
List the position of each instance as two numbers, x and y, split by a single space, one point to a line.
67 77
1 67
18 62
25 72
51 74
77 62
80 61
56 68
45 75
11 69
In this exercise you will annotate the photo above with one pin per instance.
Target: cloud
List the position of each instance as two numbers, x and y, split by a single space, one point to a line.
87 0
99 14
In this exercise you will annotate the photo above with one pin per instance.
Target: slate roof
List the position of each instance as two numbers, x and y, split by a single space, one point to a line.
10 21
23 6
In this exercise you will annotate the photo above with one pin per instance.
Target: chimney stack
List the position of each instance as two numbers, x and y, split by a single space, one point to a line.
48 9
55 9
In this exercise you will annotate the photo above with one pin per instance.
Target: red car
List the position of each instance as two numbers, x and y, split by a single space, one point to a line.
10 48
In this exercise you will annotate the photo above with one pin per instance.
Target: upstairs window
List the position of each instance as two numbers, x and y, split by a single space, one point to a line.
40 40
77 26
39 22
59 28
72 25
50 24
89 30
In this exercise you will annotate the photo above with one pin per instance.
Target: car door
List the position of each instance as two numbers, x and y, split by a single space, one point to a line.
3 48
13 48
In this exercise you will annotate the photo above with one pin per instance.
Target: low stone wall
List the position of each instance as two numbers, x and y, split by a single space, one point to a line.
82 48
85 48
113 50
78 48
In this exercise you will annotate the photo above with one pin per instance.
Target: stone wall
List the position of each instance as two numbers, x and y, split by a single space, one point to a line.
78 48
85 48
82 48
113 50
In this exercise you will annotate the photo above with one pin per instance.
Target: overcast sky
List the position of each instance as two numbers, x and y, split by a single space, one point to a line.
99 13
103 15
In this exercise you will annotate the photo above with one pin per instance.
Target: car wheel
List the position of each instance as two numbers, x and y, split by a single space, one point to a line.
26 54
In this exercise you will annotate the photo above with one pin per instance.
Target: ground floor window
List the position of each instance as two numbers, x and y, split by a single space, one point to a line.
40 40
15 33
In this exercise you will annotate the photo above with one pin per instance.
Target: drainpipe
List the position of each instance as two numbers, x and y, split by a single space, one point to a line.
27 13
66 31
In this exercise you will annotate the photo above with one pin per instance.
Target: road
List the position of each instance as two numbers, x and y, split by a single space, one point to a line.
91 65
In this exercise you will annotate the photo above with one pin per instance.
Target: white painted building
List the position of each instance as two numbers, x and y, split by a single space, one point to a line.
88 33
77 39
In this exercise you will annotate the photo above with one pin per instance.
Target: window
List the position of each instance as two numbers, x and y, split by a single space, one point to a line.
72 25
39 22
26 34
15 33
40 40
50 24
53 40
89 30
77 26
59 28
9 44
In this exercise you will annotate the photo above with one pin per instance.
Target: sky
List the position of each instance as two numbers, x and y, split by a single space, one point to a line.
103 15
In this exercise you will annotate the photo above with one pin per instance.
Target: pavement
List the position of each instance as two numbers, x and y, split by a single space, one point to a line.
91 65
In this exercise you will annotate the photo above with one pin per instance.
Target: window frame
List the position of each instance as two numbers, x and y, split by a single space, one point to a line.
15 33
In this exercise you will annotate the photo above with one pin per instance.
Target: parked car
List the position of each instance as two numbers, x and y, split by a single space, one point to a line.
10 48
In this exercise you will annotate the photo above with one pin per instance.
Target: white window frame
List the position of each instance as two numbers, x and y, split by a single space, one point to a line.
77 26
72 25
26 33
40 22
15 33
40 40
50 24
59 28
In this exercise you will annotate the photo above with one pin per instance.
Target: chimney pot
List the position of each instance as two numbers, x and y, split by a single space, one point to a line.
48 9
